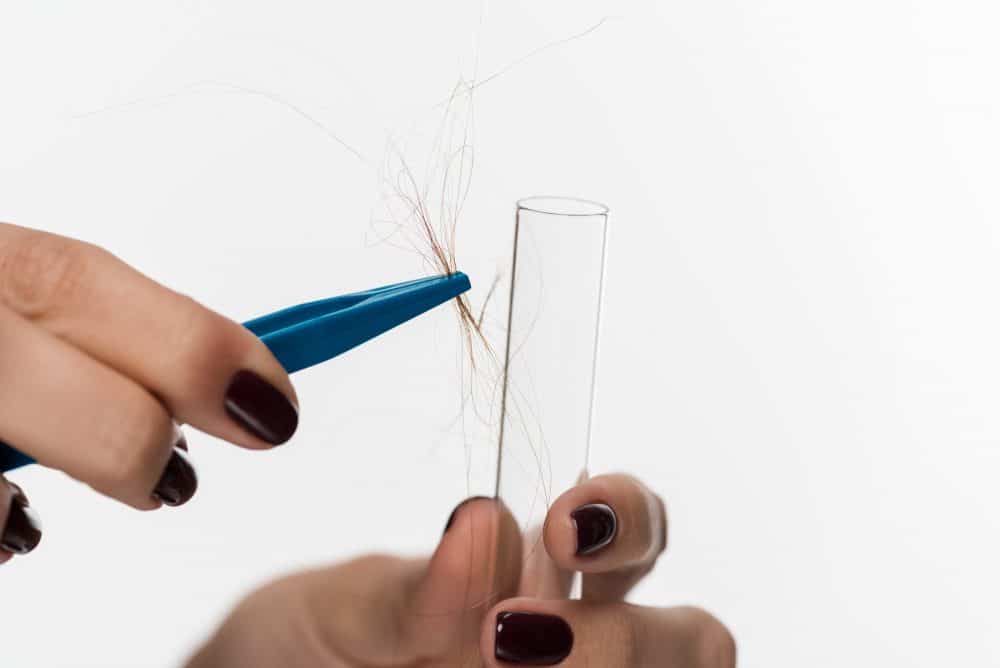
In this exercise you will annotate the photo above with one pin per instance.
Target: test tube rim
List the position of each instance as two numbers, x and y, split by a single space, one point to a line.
532 203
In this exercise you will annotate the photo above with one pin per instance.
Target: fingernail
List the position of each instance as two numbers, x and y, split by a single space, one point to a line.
179 480
454 513
261 408
23 530
532 639
596 526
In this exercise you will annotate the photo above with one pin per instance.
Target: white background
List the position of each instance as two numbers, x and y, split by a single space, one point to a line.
801 343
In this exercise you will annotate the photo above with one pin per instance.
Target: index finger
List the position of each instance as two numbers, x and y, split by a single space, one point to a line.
580 634
207 370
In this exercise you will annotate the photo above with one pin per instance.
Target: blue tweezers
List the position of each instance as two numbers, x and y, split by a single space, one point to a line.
305 335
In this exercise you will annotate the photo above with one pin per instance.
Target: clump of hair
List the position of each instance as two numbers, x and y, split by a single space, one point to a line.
422 215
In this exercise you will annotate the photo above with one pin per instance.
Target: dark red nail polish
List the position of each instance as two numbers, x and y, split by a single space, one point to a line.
23 530
596 526
532 639
261 408
179 480
454 513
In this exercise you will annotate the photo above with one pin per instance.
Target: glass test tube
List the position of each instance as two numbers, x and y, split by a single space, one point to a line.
549 389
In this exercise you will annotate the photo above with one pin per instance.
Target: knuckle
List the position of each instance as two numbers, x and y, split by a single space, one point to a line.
713 644
204 341
621 631
39 272
136 450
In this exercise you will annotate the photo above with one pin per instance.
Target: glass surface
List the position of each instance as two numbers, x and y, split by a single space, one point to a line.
551 352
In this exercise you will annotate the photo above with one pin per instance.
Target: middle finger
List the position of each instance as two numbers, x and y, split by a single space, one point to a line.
611 528
208 371
74 414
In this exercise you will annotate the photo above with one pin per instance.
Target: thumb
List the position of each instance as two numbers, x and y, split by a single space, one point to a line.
477 563
379 610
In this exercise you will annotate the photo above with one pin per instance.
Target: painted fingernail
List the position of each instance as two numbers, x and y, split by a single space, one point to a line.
23 530
532 639
179 481
454 513
261 408
596 526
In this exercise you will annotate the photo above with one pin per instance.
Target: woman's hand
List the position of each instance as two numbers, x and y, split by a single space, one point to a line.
98 366
486 597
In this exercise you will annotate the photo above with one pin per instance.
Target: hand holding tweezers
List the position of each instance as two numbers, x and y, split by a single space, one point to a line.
307 334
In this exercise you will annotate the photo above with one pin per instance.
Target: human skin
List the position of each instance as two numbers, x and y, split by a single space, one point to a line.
98 367
455 607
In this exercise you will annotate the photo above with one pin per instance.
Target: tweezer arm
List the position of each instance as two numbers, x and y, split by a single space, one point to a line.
308 334
11 459
303 313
